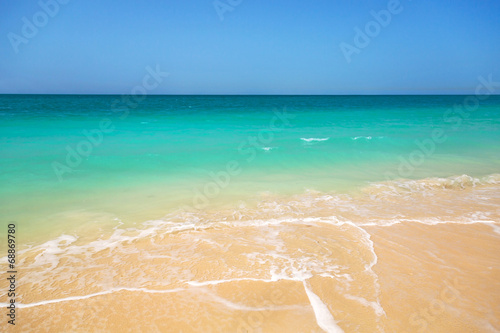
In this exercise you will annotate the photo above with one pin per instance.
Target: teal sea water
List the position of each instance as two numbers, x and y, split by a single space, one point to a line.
67 160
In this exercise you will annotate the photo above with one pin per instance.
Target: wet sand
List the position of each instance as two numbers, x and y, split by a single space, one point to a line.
382 262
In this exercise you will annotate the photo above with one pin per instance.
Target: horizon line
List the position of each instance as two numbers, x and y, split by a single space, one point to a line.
121 94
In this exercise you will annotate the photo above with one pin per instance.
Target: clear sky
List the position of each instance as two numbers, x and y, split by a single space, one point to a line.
259 47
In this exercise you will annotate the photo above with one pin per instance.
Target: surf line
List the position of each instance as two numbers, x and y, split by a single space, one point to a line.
323 316
79 298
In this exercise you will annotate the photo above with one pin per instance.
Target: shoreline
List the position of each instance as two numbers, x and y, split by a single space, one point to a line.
350 257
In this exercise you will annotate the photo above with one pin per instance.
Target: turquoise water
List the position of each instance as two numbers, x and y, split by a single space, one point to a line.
151 157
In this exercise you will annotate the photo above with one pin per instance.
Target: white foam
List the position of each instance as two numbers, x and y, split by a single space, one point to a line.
323 316
241 307
369 266
294 275
402 186
268 148
495 227
379 311
52 249
78 298
49 253
216 282
367 137
314 139
426 221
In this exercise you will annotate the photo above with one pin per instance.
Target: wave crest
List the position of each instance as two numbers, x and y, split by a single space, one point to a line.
314 139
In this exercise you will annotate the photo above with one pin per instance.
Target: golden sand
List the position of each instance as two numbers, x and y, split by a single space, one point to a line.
382 262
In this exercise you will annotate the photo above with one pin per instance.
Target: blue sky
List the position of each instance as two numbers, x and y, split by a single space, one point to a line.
260 46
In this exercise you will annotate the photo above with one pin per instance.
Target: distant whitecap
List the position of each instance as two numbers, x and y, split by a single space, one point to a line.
314 139
366 137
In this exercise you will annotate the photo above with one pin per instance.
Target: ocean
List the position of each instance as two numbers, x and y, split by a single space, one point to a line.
253 213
